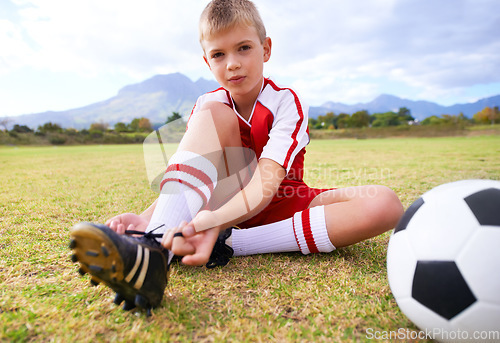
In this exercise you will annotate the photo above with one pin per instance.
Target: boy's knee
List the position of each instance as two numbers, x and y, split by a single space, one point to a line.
386 206
218 120
222 115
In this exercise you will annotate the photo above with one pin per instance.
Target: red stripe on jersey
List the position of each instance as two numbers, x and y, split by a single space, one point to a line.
200 175
297 126
306 228
194 188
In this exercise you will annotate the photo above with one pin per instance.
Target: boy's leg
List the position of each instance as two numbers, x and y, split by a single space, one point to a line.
334 218
136 268
354 214
193 171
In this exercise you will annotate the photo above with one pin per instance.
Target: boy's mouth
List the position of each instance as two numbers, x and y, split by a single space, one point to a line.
236 79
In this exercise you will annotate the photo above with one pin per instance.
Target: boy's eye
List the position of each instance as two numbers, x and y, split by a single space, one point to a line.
217 55
245 47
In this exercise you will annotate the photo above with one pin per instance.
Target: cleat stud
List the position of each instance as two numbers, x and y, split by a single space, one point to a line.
113 268
114 279
118 299
127 306
105 251
92 253
81 272
74 258
94 282
72 244
141 301
148 312
95 268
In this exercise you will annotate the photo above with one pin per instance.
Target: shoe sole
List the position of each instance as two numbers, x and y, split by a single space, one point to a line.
99 256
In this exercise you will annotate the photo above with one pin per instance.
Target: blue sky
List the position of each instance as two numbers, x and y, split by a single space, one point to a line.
62 54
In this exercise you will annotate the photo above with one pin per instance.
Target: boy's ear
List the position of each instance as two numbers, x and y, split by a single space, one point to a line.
206 61
267 48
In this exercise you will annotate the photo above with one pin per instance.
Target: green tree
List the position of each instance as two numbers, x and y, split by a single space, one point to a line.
343 120
134 125
404 115
49 127
432 120
21 129
173 117
120 127
327 121
386 119
360 119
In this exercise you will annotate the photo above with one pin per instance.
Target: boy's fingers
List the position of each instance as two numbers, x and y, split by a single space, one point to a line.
199 258
188 231
203 250
166 242
181 247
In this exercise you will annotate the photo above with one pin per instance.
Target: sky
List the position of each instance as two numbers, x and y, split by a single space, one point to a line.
64 54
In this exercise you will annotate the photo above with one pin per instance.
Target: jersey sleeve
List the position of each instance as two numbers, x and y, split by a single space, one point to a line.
288 134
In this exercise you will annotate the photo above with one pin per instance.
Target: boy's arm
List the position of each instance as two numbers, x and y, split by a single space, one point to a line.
198 243
252 199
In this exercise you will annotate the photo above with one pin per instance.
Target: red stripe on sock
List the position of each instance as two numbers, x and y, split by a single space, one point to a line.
306 228
295 233
194 188
197 173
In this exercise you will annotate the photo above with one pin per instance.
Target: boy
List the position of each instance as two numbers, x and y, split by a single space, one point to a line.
278 211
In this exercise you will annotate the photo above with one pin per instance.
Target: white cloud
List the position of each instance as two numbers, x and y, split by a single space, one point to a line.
99 36
347 51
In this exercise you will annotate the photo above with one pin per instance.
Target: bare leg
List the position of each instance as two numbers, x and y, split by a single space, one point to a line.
354 214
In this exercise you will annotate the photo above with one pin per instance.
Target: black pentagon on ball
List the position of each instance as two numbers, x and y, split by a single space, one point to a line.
409 213
485 205
440 286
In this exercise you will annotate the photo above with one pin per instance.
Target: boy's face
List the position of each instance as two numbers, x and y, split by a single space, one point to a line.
236 58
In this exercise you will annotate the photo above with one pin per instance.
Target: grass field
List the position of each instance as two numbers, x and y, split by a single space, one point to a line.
281 297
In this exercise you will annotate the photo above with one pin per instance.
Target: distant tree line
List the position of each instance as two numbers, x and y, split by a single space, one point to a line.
138 129
360 119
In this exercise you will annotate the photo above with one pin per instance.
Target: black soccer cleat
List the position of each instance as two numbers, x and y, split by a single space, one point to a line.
135 268
222 252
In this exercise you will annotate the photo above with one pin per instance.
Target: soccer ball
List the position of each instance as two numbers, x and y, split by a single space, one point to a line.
443 262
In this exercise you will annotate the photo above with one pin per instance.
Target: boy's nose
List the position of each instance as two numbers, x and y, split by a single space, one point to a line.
233 63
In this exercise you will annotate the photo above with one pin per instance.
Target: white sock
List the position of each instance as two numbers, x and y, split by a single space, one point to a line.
186 187
305 232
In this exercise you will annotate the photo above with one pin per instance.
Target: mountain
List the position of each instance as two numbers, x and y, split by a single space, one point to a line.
419 109
155 99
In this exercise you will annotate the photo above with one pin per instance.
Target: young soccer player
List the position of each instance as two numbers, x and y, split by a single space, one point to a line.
275 209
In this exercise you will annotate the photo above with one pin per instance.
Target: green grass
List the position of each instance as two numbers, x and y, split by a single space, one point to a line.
281 297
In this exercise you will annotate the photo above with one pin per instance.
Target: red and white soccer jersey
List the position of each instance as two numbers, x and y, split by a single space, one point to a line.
277 130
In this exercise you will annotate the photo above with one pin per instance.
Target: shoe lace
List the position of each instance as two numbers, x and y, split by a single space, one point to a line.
150 235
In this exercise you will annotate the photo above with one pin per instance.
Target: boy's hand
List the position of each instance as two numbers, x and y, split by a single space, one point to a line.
195 247
127 221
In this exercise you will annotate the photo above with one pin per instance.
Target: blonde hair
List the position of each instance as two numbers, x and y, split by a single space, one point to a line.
221 15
